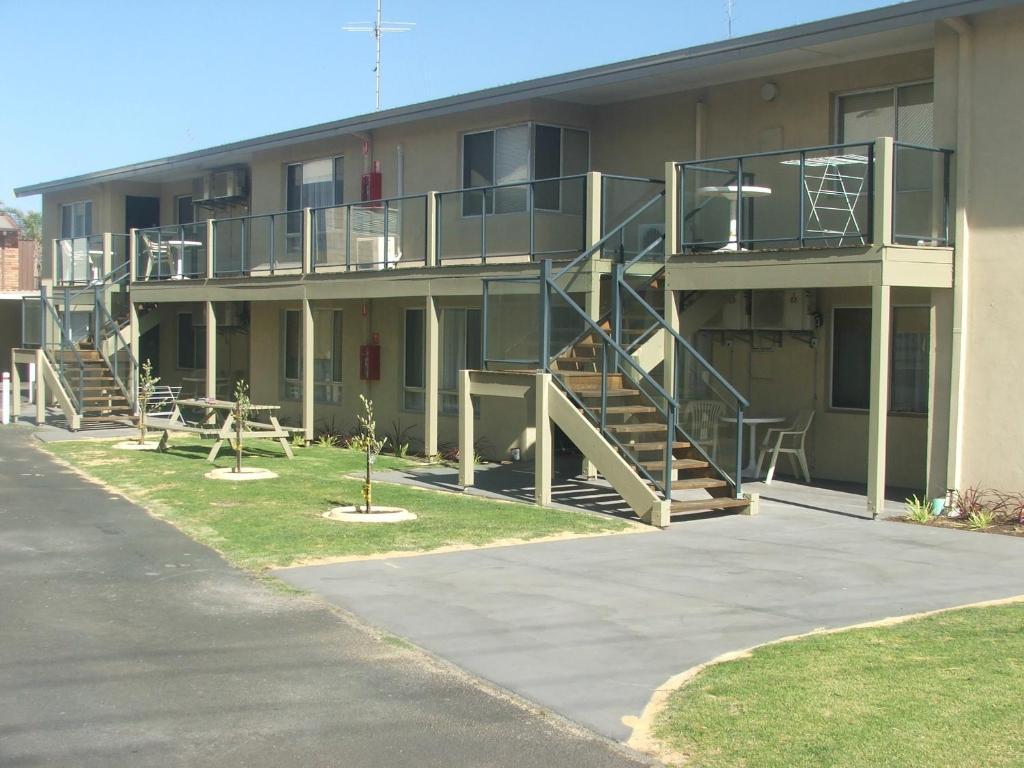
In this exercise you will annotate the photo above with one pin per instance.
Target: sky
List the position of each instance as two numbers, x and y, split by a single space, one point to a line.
93 84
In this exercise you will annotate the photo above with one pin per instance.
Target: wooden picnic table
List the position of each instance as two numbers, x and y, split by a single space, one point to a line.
218 423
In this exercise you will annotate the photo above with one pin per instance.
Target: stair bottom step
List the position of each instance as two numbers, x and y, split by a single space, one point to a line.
707 505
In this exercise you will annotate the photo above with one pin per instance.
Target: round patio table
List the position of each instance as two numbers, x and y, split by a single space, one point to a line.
731 193
752 423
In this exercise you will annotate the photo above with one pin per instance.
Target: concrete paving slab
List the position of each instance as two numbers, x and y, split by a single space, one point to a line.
590 627
125 643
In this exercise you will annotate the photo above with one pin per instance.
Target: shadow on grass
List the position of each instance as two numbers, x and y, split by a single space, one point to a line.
199 451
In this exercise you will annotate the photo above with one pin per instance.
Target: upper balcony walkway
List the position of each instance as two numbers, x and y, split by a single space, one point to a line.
844 215
854 214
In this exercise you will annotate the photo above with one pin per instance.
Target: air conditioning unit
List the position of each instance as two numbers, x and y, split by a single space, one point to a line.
370 253
227 186
734 315
647 234
782 310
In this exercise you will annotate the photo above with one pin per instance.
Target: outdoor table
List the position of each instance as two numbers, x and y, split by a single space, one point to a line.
181 245
731 193
214 411
751 423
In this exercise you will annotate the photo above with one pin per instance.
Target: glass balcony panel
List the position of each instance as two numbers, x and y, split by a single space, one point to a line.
920 196
513 323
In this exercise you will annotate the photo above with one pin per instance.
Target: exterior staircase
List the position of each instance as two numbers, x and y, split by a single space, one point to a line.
89 377
624 383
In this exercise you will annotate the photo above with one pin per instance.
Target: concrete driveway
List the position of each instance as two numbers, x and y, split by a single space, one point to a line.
590 627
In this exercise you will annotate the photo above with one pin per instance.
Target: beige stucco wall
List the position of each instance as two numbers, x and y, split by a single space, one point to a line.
994 366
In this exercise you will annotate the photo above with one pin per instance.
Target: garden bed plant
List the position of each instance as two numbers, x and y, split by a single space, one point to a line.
975 509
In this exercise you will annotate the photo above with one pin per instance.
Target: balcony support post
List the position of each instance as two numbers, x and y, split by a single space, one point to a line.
307 241
432 356
878 411
133 255
883 187
307 370
56 275
430 253
133 341
671 210
543 448
466 466
211 258
211 351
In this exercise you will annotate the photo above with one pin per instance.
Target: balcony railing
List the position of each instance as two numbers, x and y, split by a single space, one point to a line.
85 260
554 218
835 196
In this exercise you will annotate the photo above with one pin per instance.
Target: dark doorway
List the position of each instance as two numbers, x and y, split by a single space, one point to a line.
141 212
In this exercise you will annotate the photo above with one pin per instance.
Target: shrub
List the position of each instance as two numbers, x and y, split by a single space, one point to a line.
983 518
918 510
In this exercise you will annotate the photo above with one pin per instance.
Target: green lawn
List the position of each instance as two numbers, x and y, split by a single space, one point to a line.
267 523
944 690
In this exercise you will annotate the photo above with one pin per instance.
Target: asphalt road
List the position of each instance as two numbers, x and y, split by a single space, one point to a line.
125 643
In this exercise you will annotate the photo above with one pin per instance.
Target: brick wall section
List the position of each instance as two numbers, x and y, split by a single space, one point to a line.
28 270
10 260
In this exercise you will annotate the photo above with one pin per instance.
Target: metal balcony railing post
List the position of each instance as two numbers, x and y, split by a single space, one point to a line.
348 237
483 227
533 226
545 314
604 388
739 450
802 192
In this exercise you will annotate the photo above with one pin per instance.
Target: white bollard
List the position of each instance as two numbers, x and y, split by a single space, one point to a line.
5 399
31 383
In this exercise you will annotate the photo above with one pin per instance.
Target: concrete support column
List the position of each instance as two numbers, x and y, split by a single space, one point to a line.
669 364
55 273
307 240
543 449
432 363
592 234
465 431
878 414
108 253
211 351
307 369
939 391
40 387
882 212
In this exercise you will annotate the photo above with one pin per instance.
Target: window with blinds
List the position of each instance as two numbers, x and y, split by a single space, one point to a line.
905 112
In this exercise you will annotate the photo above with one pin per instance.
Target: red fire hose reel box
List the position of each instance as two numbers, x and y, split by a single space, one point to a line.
369 362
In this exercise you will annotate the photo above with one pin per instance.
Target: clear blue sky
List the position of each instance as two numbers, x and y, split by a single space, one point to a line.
101 83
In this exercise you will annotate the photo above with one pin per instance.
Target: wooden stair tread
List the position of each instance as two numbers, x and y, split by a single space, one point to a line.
704 505
611 392
625 409
676 464
656 446
694 483
638 427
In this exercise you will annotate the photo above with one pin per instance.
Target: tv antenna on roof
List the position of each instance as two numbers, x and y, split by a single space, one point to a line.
729 16
378 28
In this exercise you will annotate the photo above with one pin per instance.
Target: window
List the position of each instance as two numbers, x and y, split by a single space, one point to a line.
911 332
905 112
327 357
184 210
312 184
502 156
76 219
461 348
414 374
191 343
851 359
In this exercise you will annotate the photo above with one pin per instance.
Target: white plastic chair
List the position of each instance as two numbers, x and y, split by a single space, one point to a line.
795 435
702 419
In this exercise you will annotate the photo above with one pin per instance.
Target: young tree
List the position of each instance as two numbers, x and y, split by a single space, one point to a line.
241 412
147 384
367 442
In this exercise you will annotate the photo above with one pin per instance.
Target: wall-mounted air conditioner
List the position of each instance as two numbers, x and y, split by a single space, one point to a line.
782 310
734 315
370 252
227 186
